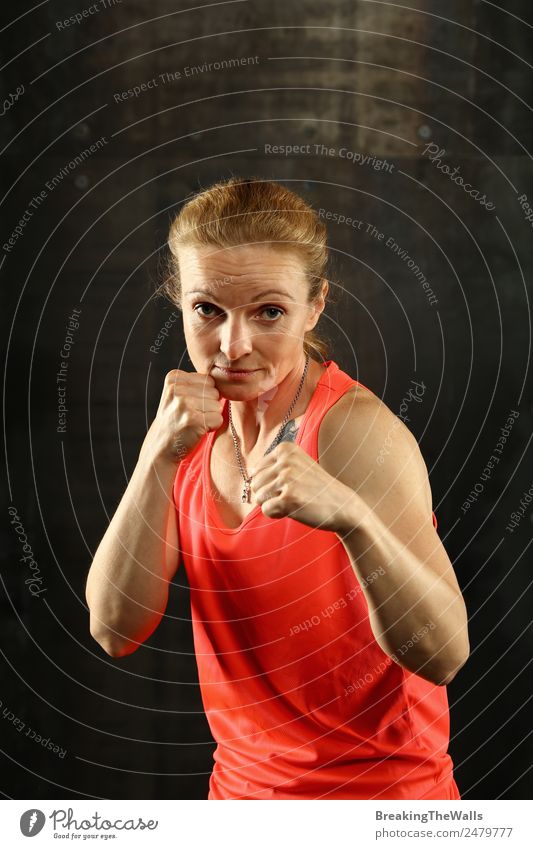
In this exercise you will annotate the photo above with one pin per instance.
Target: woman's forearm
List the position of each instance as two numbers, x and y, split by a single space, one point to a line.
127 585
418 618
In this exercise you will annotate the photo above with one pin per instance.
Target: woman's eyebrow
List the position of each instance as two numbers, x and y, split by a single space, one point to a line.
258 297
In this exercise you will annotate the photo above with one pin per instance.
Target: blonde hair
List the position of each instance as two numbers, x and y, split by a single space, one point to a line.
242 211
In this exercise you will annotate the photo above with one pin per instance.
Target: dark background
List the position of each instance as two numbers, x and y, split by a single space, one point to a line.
379 80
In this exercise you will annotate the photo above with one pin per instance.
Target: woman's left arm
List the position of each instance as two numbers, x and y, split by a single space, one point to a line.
371 488
416 609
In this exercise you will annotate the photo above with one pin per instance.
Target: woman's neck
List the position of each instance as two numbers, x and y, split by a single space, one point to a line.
258 421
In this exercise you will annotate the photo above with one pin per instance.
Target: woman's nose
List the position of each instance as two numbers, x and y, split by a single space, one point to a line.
236 338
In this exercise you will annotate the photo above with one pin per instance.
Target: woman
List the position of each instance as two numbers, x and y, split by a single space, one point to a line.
327 616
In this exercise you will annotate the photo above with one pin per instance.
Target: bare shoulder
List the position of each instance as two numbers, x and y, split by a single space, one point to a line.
365 445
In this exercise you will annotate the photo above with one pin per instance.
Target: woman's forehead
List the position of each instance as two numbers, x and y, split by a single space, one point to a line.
258 267
241 292
238 259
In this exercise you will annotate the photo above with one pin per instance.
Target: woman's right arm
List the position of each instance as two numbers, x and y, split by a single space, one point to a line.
127 585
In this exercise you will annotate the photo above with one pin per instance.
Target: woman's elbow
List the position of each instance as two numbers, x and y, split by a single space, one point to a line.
113 645
450 673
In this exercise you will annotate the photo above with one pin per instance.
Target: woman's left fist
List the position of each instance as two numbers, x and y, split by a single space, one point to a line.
288 482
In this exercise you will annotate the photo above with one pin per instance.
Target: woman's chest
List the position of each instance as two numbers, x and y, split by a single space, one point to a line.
227 479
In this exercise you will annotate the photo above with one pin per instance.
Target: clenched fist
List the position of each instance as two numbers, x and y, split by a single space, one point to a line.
190 406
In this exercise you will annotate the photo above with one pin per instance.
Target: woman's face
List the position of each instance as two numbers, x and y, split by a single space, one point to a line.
245 308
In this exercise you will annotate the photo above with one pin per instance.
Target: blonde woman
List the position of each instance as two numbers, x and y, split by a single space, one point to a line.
327 617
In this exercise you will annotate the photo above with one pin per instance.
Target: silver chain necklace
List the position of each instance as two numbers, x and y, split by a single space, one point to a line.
246 491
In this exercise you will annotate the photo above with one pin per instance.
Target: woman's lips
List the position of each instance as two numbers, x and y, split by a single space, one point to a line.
236 372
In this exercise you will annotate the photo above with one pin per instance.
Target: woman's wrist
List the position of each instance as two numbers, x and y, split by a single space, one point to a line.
157 457
350 513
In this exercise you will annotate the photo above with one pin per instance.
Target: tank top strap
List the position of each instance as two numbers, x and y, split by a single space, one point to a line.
333 384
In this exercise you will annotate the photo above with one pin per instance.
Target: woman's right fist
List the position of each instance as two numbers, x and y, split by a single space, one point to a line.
190 406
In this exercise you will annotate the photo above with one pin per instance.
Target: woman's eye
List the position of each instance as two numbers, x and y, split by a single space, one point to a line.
209 306
275 309
269 310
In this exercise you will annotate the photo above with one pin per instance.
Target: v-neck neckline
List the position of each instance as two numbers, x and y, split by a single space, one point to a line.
208 485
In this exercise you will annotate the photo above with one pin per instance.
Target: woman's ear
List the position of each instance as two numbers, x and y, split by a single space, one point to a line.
317 307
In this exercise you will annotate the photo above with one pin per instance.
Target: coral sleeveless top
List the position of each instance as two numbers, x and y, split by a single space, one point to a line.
300 698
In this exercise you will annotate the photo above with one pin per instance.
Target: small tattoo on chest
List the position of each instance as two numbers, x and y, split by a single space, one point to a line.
288 434
290 431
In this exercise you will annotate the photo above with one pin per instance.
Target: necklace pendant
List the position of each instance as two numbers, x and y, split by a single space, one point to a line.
246 493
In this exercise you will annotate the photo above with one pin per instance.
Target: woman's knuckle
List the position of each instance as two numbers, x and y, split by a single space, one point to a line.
172 376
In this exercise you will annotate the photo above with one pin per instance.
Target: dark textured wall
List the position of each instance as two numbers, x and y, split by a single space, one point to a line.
450 308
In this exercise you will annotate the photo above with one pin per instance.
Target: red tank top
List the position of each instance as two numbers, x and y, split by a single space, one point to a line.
300 698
